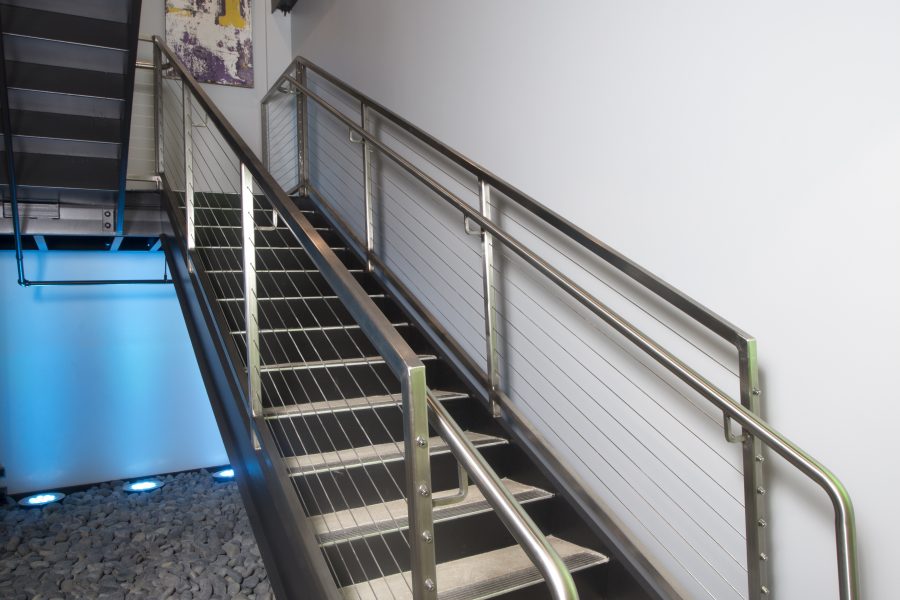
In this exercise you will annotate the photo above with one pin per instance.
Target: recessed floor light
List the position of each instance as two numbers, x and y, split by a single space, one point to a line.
224 474
42 499
144 485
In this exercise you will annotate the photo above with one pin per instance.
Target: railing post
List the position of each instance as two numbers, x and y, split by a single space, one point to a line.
418 484
367 176
188 171
158 107
490 300
754 484
264 129
251 316
303 133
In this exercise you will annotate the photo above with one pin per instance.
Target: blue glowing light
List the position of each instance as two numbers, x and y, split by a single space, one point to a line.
224 474
145 485
42 499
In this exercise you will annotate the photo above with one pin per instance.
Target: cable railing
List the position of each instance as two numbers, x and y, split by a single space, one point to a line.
652 398
285 314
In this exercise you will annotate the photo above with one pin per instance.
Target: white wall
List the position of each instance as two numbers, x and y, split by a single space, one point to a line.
746 154
97 383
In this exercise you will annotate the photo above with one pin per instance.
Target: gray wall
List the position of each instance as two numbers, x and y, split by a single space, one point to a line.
747 154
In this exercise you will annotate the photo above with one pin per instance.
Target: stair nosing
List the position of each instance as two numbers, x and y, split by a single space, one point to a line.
348 405
303 466
397 520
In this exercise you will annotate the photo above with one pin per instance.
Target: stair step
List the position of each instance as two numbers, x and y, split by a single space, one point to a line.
62 126
366 521
65 80
59 171
480 576
49 25
370 455
309 329
327 364
352 404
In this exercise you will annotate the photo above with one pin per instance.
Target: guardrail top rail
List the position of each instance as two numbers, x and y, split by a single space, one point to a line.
402 360
740 412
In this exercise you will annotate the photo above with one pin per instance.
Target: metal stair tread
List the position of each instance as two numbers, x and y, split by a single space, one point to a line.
327 364
62 126
59 171
349 405
366 521
350 458
48 25
479 576
65 80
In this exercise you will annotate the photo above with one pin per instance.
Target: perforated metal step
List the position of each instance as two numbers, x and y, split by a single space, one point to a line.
370 455
375 519
353 404
480 576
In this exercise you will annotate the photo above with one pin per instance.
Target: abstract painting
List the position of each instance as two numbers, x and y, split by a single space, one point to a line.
213 39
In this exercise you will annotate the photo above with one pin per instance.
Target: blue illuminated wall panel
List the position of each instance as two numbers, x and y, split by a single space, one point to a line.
97 383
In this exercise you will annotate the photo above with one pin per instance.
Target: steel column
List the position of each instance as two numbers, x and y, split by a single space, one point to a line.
251 316
418 484
367 176
490 300
188 124
754 484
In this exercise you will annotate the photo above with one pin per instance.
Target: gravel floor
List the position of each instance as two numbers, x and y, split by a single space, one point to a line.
190 539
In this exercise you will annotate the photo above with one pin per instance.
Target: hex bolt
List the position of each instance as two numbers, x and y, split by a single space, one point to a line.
423 490
421 442
760 458
107 214
426 535
756 392
429 585
762 523
763 556
761 491
764 590
107 225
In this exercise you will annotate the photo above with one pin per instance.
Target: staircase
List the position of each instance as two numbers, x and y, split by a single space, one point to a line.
69 70
375 457
334 410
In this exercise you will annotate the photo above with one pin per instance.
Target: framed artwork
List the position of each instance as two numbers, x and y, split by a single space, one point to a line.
213 39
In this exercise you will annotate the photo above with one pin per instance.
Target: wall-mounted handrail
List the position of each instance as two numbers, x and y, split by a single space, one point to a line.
845 529
700 313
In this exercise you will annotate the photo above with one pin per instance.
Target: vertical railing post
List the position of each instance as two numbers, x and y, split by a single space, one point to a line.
188 171
490 300
11 162
303 133
367 176
251 316
264 129
158 107
754 483
418 484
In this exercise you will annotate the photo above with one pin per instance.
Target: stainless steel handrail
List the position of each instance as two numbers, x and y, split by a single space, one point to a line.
404 362
700 313
845 528
507 508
